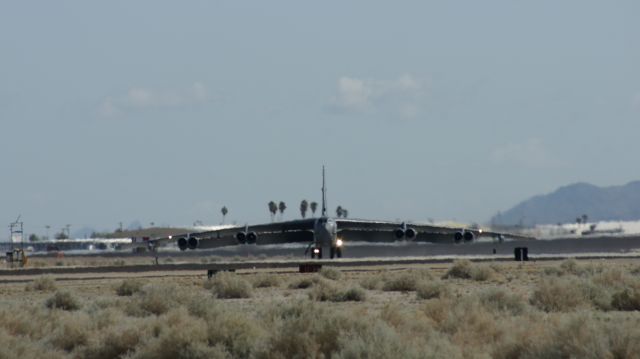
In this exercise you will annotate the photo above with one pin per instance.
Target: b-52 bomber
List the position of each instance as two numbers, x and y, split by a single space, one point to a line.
326 232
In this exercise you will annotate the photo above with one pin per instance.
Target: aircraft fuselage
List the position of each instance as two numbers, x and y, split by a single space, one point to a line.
325 232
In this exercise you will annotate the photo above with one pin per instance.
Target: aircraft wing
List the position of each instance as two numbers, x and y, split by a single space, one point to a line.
266 233
366 230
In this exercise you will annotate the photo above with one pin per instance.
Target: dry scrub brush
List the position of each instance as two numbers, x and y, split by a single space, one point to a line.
266 280
63 300
451 319
464 269
129 287
42 284
404 281
326 291
230 285
305 282
331 273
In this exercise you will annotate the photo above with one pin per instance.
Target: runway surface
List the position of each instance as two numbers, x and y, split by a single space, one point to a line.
567 246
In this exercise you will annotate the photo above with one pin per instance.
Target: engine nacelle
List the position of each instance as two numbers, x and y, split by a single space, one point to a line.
252 237
468 236
241 237
183 244
193 242
409 233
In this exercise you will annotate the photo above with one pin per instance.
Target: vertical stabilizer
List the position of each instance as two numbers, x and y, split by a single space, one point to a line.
324 195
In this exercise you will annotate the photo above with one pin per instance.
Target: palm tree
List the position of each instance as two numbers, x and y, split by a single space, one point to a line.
345 213
313 206
339 211
224 211
584 218
282 206
273 208
304 205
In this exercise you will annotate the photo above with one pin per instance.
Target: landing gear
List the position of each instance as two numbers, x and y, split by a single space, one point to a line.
336 252
316 253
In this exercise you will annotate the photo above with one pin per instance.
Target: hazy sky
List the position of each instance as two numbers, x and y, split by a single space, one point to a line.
164 111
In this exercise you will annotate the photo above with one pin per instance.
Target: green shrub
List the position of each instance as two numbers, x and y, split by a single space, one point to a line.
129 287
42 284
62 300
229 285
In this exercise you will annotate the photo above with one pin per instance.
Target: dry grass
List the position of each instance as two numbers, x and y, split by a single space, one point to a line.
230 285
63 300
265 280
585 311
304 282
330 273
42 284
464 269
433 289
405 281
326 291
129 287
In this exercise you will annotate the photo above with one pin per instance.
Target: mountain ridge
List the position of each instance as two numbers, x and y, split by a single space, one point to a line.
569 202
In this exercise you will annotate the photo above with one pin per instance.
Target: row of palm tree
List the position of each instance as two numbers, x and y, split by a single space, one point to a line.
281 207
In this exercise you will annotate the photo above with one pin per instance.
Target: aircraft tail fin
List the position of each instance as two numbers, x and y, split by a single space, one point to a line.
324 195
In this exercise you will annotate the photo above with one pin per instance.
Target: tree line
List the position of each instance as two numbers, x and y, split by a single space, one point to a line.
281 206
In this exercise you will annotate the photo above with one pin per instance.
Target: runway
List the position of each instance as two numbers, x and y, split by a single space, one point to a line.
564 247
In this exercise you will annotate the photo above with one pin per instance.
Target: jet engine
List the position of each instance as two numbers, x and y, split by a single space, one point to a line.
467 236
182 243
241 237
409 233
193 242
252 237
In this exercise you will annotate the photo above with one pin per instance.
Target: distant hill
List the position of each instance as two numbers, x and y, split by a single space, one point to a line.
569 202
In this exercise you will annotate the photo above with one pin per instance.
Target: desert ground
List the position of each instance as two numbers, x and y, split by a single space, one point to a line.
544 309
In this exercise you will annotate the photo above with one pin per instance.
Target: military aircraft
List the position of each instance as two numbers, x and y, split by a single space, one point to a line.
326 232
